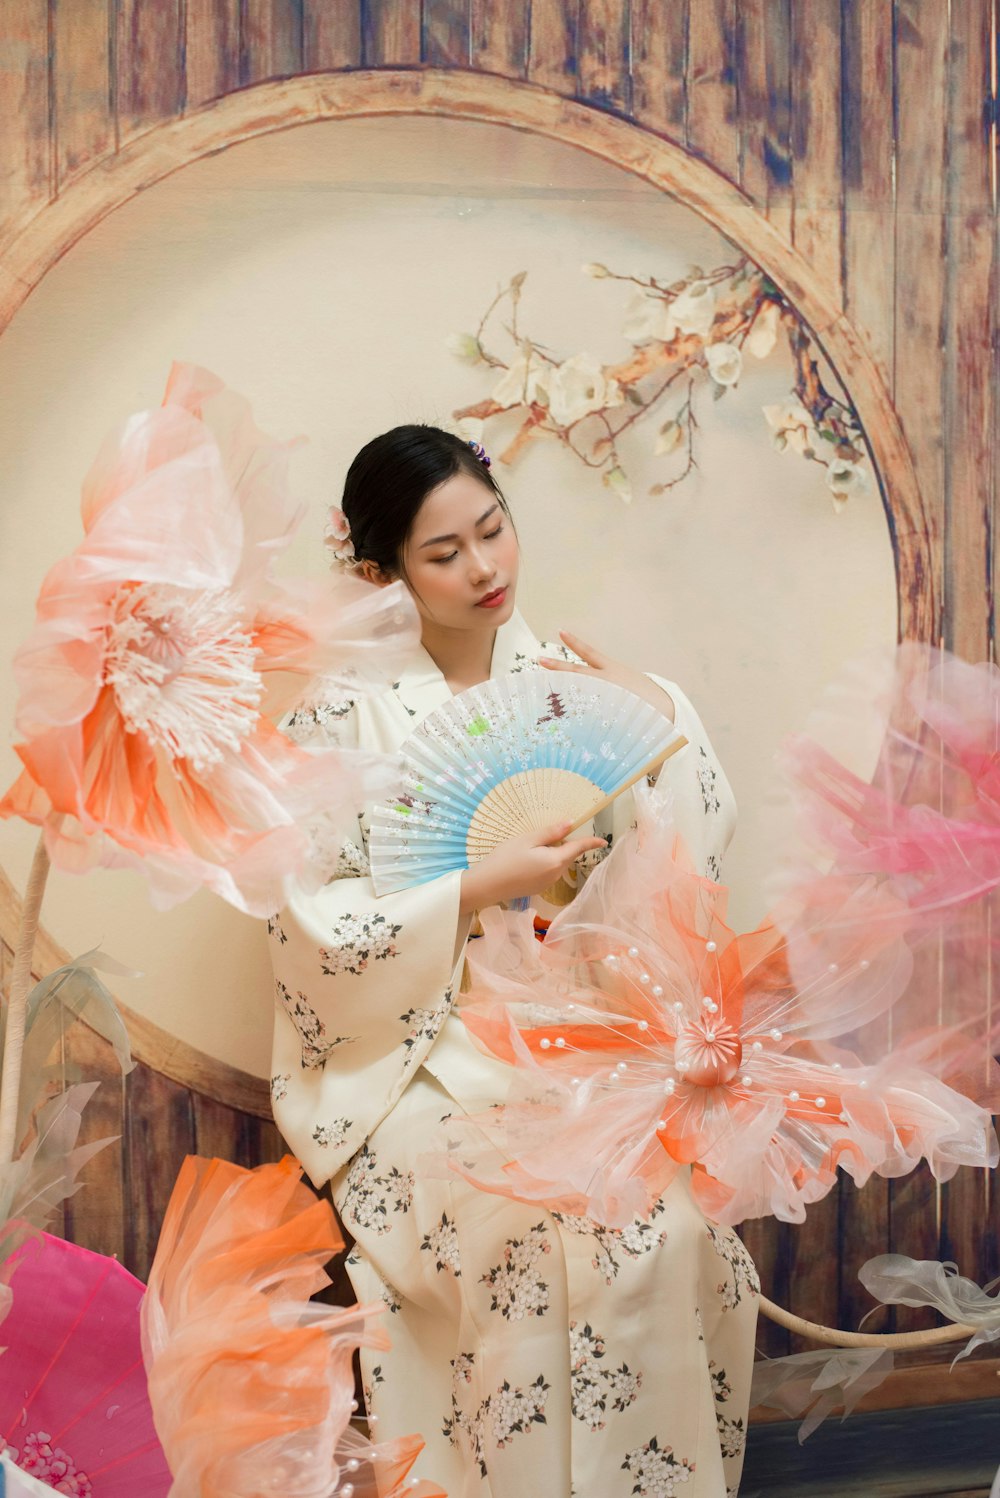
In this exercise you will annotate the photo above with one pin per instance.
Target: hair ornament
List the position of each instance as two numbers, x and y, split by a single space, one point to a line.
337 539
481 453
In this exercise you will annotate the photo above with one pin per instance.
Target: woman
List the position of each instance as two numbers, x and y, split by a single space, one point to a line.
536 1354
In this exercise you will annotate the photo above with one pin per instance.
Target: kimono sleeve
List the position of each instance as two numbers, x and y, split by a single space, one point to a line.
362 986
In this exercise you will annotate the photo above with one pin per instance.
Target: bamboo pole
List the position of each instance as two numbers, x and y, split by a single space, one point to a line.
20 986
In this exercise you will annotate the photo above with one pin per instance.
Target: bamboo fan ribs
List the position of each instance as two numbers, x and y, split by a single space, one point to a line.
511 756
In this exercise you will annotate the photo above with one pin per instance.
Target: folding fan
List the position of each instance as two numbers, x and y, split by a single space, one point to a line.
511 756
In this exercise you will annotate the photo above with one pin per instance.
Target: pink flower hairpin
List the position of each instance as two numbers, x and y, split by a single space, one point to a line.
337 539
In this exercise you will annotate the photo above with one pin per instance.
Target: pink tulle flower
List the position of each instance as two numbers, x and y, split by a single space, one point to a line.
646 1035
337 538
163 648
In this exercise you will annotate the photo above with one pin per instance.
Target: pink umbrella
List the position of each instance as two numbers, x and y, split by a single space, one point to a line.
74 1407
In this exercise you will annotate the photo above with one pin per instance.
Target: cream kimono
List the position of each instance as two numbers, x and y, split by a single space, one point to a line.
539 1355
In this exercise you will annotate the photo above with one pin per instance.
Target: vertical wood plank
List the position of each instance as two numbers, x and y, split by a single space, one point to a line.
149 47
84 122
603 46
552 49
713 128
764 83
95 1216
862 1232
221 1133
211 49
921 49
445 33
969 367
390 33
331 34
25 161
499 37
159 1132
763 1238
816 138
814 1268
270 39
868 130
659 65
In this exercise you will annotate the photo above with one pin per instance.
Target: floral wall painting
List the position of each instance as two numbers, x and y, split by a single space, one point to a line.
694 332
326 272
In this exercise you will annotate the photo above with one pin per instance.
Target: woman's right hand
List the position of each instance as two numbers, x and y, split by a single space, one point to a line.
524 865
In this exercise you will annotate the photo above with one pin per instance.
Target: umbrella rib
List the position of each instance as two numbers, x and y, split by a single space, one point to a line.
55 1355
128 1456
103 1394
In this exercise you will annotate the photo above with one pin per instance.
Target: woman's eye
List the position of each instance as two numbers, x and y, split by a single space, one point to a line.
490 534
450 558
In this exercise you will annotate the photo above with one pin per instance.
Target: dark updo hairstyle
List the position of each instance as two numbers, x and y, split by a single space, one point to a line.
389 480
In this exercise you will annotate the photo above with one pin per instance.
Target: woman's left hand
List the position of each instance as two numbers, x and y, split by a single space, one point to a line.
595 663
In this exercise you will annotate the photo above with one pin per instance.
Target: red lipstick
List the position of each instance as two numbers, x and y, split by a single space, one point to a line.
492 600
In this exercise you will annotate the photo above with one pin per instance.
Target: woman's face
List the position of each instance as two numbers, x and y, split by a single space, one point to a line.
461 557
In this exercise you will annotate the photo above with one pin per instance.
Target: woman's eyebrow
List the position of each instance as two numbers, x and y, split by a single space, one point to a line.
453 535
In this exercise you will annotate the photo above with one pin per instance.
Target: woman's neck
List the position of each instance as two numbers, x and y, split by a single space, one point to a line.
463 656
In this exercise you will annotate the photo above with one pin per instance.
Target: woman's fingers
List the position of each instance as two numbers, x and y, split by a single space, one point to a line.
588 653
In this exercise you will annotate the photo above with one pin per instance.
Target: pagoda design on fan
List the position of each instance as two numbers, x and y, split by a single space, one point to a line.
511 756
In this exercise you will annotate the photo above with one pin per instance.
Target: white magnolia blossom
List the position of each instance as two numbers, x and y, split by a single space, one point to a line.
469 428
725 363
693 309
525 383
464 346
647 317
579 386
617 481
596 270
669 438
791 427
763 332
845 478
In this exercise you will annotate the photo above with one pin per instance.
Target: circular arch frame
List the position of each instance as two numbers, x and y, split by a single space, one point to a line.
33 248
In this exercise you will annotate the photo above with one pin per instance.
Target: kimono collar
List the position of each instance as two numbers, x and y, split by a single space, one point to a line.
514 644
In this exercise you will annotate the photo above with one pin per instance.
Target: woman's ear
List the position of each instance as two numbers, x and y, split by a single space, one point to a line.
372 573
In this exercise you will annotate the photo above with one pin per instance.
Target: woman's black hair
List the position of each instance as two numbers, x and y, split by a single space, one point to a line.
389 480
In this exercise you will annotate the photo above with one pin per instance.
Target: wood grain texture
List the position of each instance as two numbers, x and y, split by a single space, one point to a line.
921 49
602 50
211 49
498 37
659 65
331 34
868 147
764 83
149 63
271 39
390 33
969 328
446 33
552 43
26 166
816 138
83 117
159 1132
713 123
95 1217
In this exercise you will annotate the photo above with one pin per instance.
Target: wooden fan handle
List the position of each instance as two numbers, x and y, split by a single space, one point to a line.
647 769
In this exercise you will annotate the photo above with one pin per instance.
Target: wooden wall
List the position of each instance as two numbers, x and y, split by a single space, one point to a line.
864 131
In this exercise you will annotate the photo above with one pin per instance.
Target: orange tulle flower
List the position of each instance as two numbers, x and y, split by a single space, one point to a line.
251 1382
645 1035
164 649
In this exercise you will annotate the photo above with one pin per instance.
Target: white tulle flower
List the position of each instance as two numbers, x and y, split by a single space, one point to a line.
525 383
578 386
647 317
725 363
693 309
